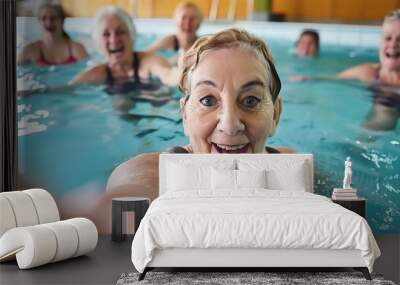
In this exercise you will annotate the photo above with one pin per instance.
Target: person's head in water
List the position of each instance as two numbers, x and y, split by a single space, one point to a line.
188 18
51 18
389 52
231 100
308 44
114 34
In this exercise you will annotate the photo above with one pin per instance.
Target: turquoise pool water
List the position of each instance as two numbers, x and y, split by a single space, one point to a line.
71 141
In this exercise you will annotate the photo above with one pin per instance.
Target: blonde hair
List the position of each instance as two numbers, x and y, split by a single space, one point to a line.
112 10
229 38
60 13
392 16
188 4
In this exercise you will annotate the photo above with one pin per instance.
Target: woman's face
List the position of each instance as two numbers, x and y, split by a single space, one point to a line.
230 108
187 21
116 42
50 21
306 46
389 53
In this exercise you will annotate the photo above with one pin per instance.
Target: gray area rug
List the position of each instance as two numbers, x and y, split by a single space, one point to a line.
273 278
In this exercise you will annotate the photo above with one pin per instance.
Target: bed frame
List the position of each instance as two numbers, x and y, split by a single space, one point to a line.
250 258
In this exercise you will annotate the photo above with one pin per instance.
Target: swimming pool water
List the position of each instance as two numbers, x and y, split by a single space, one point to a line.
72 140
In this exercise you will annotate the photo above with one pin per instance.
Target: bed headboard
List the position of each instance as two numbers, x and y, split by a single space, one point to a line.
210 159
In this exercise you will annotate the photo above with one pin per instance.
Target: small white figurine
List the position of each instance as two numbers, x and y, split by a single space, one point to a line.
347 174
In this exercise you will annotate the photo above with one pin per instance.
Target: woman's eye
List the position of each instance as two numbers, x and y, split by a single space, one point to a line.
120 32
208 101
251 101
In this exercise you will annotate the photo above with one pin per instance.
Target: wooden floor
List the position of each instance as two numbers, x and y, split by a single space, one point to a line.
102 266
110 259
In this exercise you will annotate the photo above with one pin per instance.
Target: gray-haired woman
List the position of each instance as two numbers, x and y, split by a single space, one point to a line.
115 36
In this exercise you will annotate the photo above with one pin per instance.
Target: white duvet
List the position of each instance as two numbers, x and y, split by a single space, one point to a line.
253 218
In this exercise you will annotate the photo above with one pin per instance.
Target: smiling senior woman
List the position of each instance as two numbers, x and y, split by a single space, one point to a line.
231 104
115 35
231 100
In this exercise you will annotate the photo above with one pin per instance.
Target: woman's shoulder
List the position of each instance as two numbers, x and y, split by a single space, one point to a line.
135 169
169 39
31 51
93 74
166 42
144 160
78 50
33 45
368 67
147 56
150 60
364 72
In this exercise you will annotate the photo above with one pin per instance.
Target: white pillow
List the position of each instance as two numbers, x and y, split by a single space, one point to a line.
251 178
182 177
186 175
223 179
226 179
293 180
282 174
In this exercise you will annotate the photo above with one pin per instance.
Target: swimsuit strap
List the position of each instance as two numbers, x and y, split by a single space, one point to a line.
109 76
377 73
176 43
135 66
42 59
70 55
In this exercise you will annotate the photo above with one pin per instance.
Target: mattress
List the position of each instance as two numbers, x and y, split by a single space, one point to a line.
250 219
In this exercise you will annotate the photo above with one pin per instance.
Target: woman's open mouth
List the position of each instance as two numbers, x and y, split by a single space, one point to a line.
50 29
116 50
393 55
223 148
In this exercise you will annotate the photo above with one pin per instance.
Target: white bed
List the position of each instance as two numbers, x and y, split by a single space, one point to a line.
247 211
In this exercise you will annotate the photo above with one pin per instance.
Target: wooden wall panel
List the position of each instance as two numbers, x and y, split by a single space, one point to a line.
316 10
374 12
291 9
164 8
345 10
88 8
124 4
224 5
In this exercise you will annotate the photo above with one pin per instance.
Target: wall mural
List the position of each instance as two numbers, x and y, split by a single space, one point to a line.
74 131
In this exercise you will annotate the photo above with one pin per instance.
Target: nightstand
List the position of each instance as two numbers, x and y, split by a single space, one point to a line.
139 205
356 205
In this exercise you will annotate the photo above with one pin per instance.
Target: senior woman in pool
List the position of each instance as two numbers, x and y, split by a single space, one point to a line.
231 107
230 104
382 78
124 69
387 71
188 18
55 47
